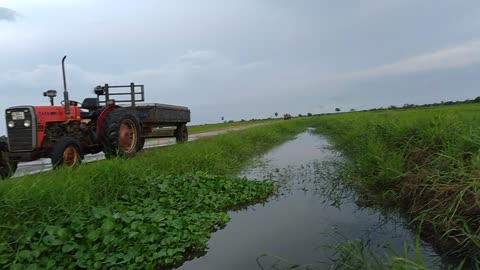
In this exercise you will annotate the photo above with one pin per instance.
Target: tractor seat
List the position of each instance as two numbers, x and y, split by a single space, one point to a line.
90 104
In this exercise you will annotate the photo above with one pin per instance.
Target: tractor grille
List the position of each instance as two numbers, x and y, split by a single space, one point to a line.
20 138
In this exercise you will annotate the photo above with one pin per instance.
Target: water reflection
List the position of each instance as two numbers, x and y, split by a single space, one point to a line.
309 214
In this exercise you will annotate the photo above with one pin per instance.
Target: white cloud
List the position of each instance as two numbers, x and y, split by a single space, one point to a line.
455 57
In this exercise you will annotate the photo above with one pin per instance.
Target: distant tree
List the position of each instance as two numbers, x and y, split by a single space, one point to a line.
338 110
300 115
309 114
477 100
223 118
276 114
352 110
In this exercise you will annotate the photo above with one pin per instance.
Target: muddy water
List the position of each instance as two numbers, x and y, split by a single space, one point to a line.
309 214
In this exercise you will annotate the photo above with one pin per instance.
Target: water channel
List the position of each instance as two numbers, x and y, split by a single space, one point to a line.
296 227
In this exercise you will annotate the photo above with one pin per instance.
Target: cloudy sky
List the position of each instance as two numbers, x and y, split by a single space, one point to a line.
247 58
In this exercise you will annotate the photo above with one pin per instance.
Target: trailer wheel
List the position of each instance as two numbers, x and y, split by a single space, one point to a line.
66 153
181 133
120 134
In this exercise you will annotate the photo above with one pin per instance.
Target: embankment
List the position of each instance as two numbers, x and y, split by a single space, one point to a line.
425 161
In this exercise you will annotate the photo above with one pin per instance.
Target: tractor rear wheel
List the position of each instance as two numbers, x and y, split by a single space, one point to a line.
67 152
181 133
120 134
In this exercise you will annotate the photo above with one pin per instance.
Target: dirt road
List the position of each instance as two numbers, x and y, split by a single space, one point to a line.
44 164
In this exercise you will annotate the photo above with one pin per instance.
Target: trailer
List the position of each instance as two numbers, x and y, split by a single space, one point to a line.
156 120
117 121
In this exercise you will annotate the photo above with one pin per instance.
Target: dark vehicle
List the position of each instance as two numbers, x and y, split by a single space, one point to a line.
66 133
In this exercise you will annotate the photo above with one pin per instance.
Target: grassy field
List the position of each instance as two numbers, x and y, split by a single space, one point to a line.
213 127
425 161
133 214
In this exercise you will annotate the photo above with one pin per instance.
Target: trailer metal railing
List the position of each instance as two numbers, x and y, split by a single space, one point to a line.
136 93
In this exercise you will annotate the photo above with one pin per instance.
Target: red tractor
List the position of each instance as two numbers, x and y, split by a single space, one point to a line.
66 133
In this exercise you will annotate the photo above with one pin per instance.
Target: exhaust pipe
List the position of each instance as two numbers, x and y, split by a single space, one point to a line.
66 100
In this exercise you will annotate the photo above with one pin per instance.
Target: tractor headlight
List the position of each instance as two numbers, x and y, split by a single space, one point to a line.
11 124
27 123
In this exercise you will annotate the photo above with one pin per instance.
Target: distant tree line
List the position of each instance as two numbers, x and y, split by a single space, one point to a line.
410 105
442 103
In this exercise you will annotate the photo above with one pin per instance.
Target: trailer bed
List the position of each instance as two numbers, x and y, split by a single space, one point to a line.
161 114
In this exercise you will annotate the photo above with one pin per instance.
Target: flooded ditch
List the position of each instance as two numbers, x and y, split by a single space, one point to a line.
297 227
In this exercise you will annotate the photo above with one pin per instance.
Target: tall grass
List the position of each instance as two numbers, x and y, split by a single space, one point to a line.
427 161
358 254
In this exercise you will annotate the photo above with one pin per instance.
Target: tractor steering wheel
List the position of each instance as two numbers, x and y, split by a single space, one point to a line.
72 103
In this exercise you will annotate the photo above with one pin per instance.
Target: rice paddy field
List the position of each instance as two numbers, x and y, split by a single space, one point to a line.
158 208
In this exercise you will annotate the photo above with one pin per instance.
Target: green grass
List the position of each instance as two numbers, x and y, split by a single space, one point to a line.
139 213
220 126
425 161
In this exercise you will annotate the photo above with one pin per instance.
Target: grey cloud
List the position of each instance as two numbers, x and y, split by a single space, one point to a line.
451 59
7 14
245 59
418 88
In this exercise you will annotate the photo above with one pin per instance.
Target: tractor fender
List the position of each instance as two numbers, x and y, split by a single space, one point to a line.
101 118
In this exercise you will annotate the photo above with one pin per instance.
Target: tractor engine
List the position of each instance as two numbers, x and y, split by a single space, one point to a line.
33 129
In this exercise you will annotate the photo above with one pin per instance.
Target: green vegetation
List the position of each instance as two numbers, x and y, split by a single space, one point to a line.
152 210
425 161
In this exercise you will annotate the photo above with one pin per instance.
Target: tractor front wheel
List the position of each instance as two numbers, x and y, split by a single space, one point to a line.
120 134
66 153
